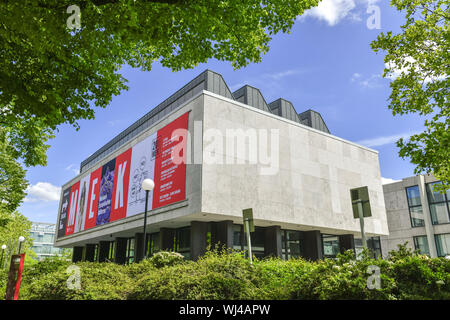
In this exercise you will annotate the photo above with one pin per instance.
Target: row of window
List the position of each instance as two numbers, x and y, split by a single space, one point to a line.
442 244
292 244
42 237
46 249
439 204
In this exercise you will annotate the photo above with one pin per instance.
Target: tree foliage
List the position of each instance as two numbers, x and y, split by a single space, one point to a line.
50 74
12 226
12 176
418 61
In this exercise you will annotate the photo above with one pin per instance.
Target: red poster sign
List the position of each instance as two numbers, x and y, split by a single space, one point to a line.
170 163
19 276
120 189
73 207
93 195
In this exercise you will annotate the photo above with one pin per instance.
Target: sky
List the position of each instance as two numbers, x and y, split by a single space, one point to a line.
325 64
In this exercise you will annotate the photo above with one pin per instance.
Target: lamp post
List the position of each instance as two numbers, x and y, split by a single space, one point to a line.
148 186
3 252
21 239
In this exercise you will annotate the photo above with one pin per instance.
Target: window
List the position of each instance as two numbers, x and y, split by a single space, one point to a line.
415 206
152 244
258 241
330 246
442 244
291 244
238 237
421 245
130 251
439 205
257 238
374 245
183 242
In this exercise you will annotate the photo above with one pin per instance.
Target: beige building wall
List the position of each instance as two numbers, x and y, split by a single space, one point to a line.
310 189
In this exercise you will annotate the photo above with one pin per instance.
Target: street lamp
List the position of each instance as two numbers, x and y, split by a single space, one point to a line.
148 186
21 239
3 252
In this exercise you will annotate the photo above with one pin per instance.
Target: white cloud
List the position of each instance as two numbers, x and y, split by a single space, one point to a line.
281 75
73 168
388 180
366 82
334 11
42 191
410 63
383 140
267 80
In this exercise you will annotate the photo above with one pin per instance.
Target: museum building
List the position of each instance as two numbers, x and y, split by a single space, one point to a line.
212 153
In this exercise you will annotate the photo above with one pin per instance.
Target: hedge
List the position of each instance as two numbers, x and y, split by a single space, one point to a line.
225 275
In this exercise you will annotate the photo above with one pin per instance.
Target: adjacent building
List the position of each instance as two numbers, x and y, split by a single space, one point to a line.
417 215
43 235
212 153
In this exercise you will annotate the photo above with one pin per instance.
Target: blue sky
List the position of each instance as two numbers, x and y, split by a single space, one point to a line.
325 64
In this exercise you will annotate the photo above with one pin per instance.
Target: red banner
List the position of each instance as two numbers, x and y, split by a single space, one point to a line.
73 207
19 276
120 190
113 191
170 164
92 205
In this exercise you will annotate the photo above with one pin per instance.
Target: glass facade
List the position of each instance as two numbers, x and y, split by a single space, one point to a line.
442 244
130 251
439 204
152 244
292 244
421 245
257 238
183 242
415 206
330 246
43 235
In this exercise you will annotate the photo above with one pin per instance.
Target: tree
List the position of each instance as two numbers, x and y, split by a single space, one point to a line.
12 227
418 61
12 177
50 74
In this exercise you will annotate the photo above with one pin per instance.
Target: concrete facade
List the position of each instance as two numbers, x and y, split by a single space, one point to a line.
401 227
300 181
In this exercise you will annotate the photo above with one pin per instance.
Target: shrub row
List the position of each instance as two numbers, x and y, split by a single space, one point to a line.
222 275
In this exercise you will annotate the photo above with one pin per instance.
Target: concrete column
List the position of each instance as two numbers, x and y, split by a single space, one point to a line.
222 234
198 238
166 239
272 245
77 254
103 251
346 242
138 246
120 252
90 252
313 248
427 216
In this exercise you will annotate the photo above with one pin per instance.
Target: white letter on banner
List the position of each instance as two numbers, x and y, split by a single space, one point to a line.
73 204
91 213
119 188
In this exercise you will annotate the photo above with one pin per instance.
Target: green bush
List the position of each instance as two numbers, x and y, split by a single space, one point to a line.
99 281
166 259
213 276
227 276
